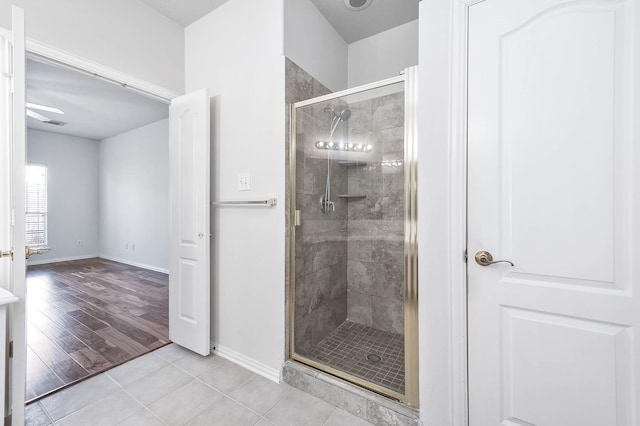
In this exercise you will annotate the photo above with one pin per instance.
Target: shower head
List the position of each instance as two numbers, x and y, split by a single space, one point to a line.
344 114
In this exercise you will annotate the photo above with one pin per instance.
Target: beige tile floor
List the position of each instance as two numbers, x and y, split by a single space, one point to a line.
172 386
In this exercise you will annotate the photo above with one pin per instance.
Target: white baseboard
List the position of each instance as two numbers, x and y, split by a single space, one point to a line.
246 362
60 259
129 262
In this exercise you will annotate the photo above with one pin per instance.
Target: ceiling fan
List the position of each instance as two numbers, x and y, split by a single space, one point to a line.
43 118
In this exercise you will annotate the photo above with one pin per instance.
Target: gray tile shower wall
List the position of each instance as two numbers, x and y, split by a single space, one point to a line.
375 225
321 241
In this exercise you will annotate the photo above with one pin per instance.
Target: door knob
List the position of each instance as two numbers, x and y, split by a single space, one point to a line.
484 258
8 253
28 252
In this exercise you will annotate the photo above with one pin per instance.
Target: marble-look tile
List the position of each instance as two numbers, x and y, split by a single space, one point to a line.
390 141
67 401
299 83
387 111
303 335
260 394
185 403
335 394
392 208
393 181
158 384
359 247
142 417
304 256
360 121
344 418
34 415
370 208
387 314
228 378
109 410
225 412
330 252
379 415
319 89
321 225
314 175
389 250
359 307
384 280
328 317
300 408
134 370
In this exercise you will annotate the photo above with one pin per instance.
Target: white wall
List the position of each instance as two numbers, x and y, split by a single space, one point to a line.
72 179
311 42
125 35
134 197
239 57
383 55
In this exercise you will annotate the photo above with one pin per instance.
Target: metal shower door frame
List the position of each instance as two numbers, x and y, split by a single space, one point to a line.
411 395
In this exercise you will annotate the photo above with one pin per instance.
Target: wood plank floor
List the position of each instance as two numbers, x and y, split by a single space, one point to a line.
86 316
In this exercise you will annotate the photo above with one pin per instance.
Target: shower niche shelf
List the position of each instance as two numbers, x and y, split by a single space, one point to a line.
347 163
349 196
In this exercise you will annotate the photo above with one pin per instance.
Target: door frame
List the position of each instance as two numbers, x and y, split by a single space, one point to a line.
47 53
443 268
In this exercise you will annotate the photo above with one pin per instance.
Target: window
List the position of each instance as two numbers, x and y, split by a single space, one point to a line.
36 205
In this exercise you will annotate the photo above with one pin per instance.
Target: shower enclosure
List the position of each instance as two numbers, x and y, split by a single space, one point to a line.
353 283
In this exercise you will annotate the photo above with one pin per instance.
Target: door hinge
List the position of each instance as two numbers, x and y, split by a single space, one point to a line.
466 256
10 349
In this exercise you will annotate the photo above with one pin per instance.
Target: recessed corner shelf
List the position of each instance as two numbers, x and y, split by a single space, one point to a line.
351 196
352 163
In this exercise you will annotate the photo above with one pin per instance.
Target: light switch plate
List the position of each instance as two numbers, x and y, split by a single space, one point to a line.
244 182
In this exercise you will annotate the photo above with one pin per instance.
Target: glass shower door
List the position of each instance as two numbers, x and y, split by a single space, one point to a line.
348 277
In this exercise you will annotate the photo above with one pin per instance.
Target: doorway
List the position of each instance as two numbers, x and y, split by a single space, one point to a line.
98 295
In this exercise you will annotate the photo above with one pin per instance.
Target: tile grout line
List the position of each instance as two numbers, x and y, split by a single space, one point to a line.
46 413
144 406
276 404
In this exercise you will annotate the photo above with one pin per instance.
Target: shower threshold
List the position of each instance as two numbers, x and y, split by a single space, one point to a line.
364 352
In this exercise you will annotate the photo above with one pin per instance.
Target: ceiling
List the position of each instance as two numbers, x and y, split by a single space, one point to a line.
97 109
379 16
184 12
94 108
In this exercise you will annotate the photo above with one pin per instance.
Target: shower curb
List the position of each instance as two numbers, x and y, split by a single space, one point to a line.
367 405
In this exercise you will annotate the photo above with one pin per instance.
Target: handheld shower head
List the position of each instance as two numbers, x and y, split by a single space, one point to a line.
344 114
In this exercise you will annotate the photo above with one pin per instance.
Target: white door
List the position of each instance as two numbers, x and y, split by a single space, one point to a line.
554 187
189 281
12 163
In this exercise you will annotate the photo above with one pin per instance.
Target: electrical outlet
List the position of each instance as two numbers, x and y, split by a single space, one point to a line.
244 182
133 246
126 245
79 242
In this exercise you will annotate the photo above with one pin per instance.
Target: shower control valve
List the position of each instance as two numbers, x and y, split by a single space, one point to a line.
326 205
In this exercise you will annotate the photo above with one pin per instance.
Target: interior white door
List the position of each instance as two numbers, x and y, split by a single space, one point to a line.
189 282
13 160
553 186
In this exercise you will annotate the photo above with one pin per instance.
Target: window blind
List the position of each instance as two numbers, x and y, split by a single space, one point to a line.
36 205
